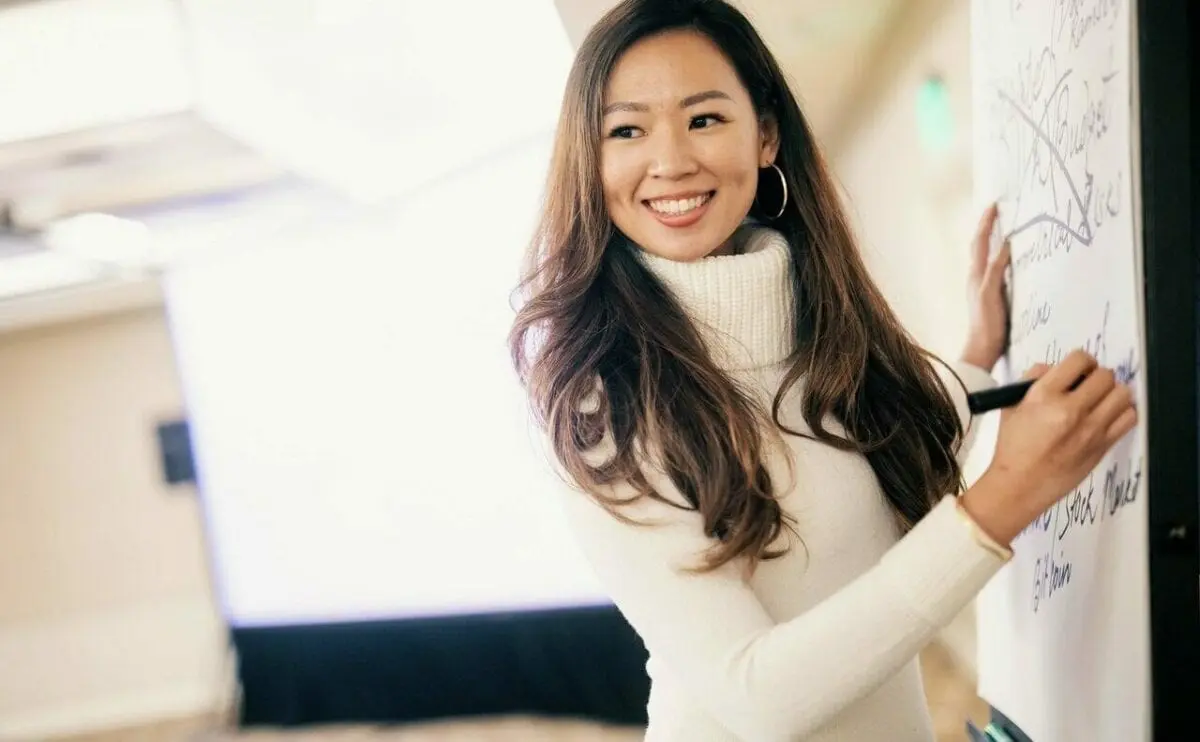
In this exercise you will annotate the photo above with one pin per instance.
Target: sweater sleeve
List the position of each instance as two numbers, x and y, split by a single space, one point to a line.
761 679
974 379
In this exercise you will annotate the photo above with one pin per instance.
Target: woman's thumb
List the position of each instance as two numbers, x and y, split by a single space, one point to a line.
1033 373
993 277
1036 371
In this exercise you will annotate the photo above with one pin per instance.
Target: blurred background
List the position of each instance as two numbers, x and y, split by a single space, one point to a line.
255 267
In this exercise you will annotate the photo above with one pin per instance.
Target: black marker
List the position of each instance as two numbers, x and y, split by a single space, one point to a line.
1008 395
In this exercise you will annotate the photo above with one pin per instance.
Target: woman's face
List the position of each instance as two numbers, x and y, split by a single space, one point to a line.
682 147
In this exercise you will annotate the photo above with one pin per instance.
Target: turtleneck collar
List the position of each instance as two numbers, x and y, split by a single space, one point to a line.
741 304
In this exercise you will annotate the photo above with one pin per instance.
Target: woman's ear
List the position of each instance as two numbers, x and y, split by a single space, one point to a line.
768 129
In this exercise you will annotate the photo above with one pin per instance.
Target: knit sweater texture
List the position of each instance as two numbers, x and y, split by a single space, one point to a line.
820 645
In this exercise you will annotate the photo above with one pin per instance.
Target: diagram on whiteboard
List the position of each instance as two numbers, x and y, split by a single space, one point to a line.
1063 627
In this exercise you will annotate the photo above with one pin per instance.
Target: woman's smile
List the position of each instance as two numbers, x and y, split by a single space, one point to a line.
680 211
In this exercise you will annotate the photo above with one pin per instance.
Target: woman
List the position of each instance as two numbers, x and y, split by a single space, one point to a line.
769 462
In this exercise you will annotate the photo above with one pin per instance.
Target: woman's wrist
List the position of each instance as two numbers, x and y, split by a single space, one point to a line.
976 358
991 504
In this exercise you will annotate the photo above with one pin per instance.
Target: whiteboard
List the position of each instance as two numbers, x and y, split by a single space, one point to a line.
1063 629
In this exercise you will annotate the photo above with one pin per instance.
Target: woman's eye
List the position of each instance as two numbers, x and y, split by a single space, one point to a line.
707 120
623 132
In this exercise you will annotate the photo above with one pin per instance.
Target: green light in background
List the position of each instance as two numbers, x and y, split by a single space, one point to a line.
935 122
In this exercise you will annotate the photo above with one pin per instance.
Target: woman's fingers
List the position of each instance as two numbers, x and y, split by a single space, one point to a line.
982 242
1036 371
1095 389
1116 402
993 278
1063 376
1033 373
1120 427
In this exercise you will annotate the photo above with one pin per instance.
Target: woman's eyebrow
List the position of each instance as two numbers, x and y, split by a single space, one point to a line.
691 100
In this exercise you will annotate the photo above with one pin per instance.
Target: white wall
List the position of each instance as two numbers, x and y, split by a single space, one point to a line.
915 212
107 616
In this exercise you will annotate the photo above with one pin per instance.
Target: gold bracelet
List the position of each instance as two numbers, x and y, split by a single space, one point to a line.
981 537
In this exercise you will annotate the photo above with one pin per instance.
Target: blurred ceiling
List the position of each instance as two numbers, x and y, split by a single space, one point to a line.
237 108
145 107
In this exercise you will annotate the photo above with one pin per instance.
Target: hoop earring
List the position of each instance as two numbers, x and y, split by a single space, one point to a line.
782 182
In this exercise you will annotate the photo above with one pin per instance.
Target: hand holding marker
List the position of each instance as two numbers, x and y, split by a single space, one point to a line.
1008 395
1057 425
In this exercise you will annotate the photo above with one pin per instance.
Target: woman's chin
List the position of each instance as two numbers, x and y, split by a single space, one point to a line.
680 253
688 248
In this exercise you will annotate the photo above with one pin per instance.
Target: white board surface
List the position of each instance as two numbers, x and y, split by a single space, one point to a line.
1063 629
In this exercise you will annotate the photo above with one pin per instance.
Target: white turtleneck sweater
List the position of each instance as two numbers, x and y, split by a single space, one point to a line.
819 645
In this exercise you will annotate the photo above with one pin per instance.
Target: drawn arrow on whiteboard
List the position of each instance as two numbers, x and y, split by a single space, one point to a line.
1081 232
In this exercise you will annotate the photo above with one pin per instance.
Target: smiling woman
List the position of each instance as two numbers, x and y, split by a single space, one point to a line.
680 168
768 462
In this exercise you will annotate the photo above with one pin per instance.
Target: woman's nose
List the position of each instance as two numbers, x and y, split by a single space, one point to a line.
672 155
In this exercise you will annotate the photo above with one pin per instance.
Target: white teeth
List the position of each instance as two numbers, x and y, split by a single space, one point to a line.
675 207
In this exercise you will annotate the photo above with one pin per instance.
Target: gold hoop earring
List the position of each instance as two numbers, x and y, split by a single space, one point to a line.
783 183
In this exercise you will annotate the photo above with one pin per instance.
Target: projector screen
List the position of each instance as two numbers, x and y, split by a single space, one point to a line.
362 444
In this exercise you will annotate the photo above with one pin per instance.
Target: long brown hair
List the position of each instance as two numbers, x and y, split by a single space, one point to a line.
604 349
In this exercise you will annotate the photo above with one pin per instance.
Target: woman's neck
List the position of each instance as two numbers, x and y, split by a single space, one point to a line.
740 301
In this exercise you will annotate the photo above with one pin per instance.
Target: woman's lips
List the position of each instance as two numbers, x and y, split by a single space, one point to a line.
681 218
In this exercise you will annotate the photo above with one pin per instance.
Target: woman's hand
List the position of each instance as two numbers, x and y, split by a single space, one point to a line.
1049 442
987 337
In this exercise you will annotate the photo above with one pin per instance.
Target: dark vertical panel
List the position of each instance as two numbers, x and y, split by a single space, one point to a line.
1165 33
